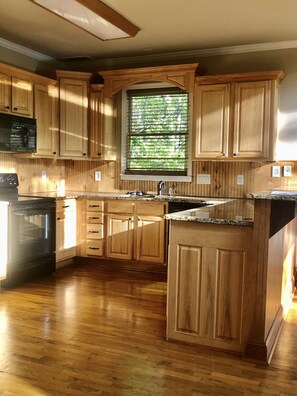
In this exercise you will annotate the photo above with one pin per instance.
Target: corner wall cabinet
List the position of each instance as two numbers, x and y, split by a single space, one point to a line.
235 116
73 104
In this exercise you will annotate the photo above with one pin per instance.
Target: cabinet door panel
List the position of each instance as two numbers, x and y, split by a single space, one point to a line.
73 118
5 92
252 119
229 294
188 288
150 239
46 118
212 121
22 97
119 242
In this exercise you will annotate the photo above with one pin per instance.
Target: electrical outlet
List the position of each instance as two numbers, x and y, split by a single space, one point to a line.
203 179
287 171
275 171
97 176
240 180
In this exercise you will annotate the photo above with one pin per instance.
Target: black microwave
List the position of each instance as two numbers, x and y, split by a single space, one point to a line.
17 134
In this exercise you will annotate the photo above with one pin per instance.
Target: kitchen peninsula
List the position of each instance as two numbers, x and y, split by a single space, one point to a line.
231 274
230 267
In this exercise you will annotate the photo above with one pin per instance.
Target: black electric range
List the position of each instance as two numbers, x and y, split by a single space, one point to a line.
31 233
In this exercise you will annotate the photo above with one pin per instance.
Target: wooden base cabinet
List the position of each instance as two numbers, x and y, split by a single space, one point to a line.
119 244
208 285
136 231
94 228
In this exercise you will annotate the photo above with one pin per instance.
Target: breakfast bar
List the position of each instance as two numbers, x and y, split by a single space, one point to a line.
231 274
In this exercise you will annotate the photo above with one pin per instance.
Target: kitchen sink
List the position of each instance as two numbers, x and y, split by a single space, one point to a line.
180 206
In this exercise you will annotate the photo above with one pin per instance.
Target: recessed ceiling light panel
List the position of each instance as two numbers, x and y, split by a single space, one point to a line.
92 16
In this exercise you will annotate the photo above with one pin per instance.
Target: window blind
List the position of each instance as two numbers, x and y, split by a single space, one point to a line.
158 129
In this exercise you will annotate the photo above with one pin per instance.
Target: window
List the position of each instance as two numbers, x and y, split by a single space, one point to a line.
157 130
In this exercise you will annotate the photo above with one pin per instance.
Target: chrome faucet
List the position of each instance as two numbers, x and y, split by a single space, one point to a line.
160 187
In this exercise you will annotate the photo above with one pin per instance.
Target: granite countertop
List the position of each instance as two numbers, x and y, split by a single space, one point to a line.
284 195
238 212
218 210
121 196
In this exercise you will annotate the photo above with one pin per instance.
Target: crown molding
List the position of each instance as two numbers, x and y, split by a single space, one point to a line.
193 54
25 51
164 57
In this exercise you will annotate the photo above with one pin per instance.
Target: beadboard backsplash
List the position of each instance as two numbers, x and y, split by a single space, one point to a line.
79 176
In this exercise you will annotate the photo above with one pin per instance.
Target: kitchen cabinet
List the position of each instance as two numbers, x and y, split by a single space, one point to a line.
65 230
150 232
136 230
212 107
102 137
209 281
119 230
45 110
16 95
236 116
73 105
94 228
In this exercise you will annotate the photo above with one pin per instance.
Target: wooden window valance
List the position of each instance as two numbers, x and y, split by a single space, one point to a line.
181 76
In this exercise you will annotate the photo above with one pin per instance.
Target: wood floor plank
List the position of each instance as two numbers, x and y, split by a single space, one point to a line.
88 330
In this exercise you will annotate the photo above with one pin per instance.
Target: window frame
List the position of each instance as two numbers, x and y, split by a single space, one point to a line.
124 128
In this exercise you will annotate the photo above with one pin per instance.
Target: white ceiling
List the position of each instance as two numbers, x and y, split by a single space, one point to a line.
166 26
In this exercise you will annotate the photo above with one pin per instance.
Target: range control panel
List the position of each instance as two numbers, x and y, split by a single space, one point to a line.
8 180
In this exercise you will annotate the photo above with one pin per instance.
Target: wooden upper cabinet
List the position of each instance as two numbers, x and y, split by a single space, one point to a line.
73 104
235 116
252 114
45 110
102 137
22 96
212 105
16 95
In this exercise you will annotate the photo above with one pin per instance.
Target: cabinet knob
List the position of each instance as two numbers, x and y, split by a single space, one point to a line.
84 153
99 154
54 152
234 154
58 218
15 108
7 107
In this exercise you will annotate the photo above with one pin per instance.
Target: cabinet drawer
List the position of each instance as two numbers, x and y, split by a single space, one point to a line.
120 207
65 204
151 208
94 218
94 231
94 248
93 205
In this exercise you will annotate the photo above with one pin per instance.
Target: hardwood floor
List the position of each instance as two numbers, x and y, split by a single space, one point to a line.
89 330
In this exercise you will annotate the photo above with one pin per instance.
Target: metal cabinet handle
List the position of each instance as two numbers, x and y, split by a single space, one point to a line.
92 248
65 206
15 108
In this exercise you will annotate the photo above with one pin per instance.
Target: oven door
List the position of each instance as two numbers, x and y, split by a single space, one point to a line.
32 233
